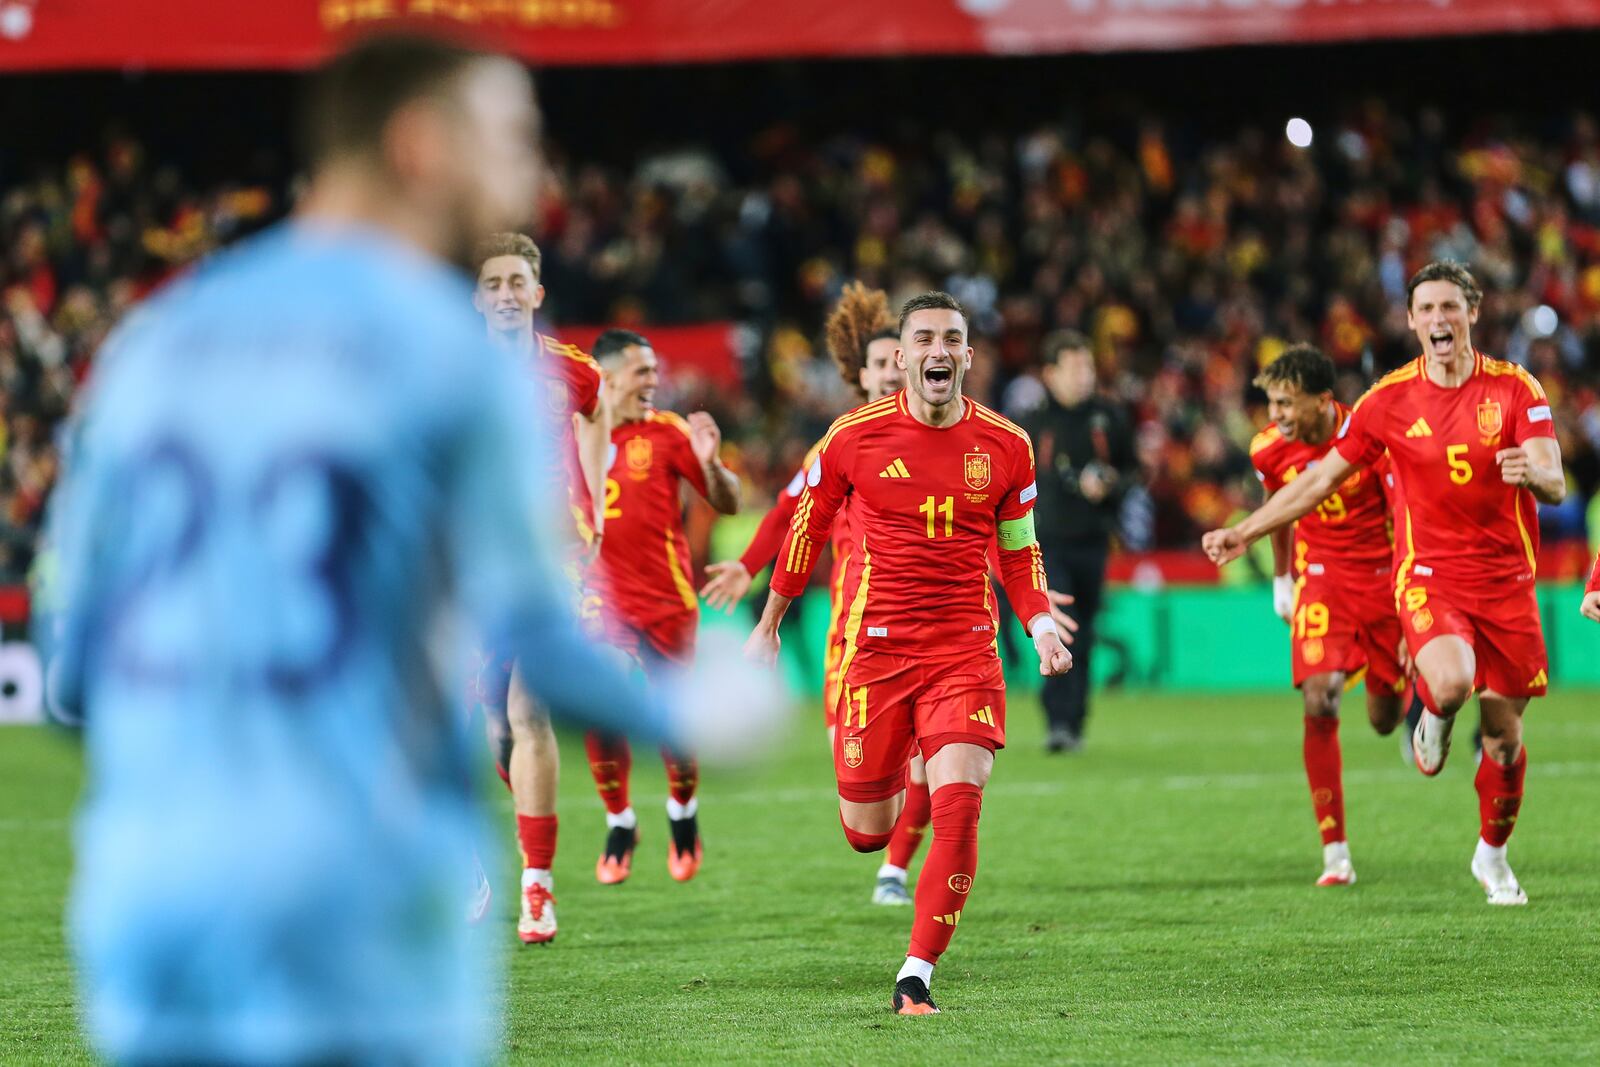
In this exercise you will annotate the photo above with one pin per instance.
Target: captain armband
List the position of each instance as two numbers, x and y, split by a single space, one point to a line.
1017 534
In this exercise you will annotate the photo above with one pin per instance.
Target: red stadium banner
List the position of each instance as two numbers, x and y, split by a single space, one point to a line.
188 34
706 350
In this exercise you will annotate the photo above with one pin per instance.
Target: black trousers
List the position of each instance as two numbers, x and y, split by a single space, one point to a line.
1079 568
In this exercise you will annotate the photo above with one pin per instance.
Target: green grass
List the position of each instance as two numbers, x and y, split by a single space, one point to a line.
1146 901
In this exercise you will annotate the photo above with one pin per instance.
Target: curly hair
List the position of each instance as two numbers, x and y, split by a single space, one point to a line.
509 244
860 317
1302 367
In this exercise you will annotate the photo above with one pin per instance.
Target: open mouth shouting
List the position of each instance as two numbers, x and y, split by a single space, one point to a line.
938 378
1442 341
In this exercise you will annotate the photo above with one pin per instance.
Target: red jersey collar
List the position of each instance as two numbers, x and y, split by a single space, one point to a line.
969 406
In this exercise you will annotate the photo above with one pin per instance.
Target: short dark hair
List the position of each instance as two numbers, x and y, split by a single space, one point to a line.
930 301
1446 270
351 98
1301 367
611 344
1059 341
509 244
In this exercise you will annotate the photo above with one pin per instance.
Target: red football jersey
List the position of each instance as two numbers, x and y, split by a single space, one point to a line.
1455 518
1594 578
1350 529
572 387
643 571
768 538
928 503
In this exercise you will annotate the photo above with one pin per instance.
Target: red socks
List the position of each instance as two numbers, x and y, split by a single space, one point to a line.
1325 774
610 762
913 823
537 836
1500 797
683 776
947 875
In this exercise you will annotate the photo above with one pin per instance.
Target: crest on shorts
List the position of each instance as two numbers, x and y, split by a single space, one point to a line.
1312 651
638 453
852 752
976 470
1490 419
1422 620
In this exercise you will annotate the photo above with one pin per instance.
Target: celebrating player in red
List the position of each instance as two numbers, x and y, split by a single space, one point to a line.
862 340
642 575
508 293
1473 448
1591 594
936 478
1338 601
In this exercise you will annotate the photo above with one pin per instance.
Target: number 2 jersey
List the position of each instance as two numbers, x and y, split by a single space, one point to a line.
1456 518
928 503
643 570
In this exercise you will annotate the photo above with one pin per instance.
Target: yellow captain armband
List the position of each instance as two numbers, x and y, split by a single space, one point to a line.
1015 534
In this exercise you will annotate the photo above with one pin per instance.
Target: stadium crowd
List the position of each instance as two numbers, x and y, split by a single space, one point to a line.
1189 260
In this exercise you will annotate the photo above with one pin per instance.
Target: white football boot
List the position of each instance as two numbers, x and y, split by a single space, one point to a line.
1336 866
1431 742
1490 868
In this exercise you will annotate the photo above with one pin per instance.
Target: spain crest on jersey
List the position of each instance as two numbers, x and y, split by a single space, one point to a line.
1489 418
852 752
638 453
556 396
976 470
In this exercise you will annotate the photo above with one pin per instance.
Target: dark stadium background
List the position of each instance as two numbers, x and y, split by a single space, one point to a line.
800 139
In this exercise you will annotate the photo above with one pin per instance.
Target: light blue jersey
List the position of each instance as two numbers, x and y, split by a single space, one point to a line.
293 470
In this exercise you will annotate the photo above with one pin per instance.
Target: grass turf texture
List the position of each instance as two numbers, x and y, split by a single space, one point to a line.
1148 900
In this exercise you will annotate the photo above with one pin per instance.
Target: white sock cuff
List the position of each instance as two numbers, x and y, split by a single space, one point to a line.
676 810
624 818
916 967
889 870
531 875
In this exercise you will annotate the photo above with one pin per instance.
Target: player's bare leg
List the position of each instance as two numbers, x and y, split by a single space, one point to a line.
611 765
909 830
1325 774
957 774
535 773
1385 711
1445 669
1499 783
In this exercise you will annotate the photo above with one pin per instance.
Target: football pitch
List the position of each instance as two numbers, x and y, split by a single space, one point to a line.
1148 900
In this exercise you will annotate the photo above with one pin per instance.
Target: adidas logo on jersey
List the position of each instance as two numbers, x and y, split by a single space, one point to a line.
1539 679
897 469
1420 428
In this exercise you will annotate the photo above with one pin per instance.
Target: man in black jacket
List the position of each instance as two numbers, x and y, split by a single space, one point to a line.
1084 451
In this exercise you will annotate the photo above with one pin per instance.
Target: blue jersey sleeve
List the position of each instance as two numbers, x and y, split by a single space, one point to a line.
504 558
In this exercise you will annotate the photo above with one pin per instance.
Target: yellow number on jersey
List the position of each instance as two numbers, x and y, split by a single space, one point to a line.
947 508
613 492
1332 509
1311 620
1460 469
860 698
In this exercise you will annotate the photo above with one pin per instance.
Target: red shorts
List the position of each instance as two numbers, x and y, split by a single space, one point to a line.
1343 621
1501 624
655 644
893 704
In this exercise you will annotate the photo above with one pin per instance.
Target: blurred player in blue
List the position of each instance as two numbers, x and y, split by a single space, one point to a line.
293 470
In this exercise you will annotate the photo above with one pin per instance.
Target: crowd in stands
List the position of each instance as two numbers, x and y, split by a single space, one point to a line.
1189 261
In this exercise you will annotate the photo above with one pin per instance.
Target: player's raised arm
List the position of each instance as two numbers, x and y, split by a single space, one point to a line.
1535 465
728 582
827 482
722 485
1022 568
1288 504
